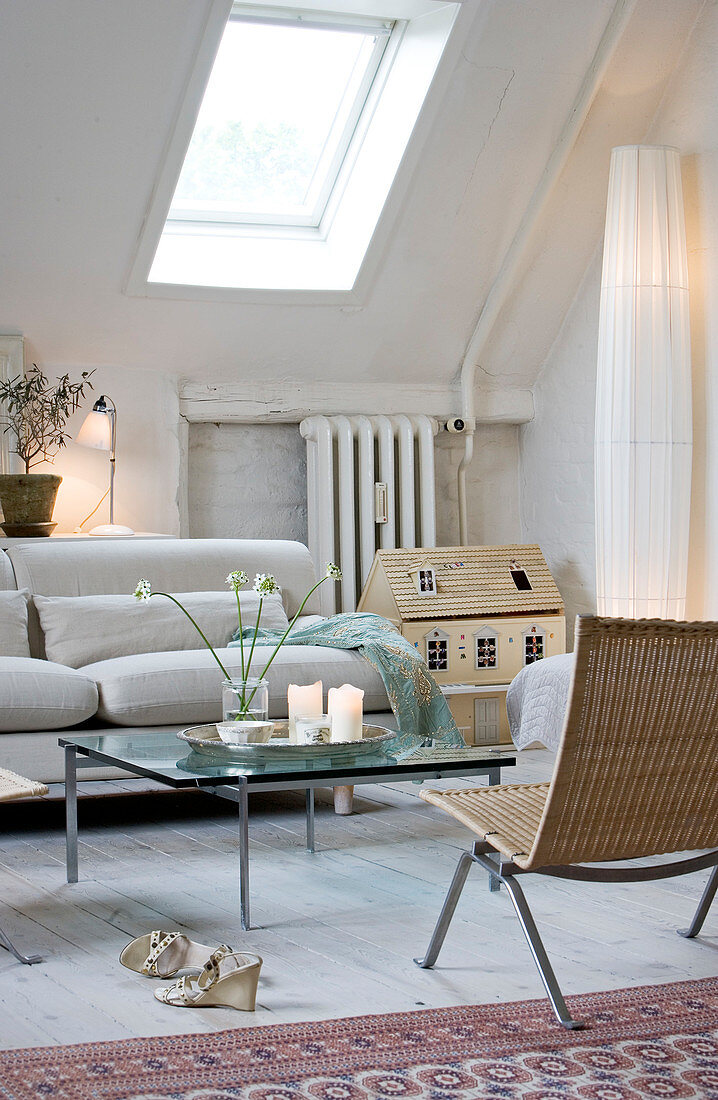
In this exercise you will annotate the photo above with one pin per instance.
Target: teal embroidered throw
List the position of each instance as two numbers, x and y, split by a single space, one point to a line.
415 698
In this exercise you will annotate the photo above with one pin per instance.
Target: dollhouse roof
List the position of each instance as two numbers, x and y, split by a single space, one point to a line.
471 581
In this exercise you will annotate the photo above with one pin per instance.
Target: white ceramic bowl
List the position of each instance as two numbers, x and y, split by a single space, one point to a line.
245 733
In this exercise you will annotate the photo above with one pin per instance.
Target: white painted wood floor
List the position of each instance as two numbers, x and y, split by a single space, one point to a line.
337 929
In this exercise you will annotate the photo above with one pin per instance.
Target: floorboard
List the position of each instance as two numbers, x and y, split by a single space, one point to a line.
337 929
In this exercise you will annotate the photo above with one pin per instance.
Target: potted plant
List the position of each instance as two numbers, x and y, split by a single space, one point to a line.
36 412
245 699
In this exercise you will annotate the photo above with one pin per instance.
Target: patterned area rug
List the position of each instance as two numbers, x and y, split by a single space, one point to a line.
655 1041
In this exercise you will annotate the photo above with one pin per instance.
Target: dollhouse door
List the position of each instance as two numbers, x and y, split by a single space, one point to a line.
486 721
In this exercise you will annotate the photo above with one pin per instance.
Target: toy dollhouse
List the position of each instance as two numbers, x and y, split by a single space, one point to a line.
478 614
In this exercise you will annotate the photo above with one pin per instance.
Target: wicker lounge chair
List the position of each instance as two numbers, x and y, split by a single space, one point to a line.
16 786
636 776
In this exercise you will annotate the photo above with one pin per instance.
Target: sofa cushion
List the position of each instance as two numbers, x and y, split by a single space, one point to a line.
13 624
91 567
40 695
159 688
80 629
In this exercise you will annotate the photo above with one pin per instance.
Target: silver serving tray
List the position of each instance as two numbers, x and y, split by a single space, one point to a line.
206 740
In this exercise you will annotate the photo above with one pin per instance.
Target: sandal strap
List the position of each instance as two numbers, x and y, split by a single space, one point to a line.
184 989
212 966
159 942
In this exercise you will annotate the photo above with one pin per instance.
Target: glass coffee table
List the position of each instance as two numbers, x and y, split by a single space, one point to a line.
159 755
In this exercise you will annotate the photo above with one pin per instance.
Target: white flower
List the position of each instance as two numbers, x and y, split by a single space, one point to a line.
334 571
143 590
265 584
237 579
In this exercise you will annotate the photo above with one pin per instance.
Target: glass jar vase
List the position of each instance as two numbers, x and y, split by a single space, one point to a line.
245 700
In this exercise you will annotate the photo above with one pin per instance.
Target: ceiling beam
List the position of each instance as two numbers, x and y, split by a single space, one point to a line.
289 402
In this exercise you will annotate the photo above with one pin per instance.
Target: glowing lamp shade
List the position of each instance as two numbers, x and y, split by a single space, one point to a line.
96 431
643 436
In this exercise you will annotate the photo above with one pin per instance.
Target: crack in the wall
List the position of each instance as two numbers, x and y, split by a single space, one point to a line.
487 138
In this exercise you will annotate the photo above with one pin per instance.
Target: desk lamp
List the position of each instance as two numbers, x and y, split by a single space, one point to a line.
98 430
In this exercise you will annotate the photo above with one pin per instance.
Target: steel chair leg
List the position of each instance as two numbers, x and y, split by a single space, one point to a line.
703 906
447 912
538 951
7 943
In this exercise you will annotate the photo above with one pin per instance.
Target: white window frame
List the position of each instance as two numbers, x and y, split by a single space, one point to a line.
334 263
442 637
327 169
533 631
486 632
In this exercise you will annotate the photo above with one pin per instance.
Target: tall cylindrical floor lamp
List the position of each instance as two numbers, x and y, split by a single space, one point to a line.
643 437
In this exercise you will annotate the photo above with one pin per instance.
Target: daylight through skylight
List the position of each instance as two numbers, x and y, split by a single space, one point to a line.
278 115
288 142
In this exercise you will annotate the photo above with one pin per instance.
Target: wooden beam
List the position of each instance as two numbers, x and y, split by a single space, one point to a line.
289 402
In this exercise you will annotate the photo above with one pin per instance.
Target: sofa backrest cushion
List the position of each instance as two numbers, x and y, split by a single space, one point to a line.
92 567
13 624
80 630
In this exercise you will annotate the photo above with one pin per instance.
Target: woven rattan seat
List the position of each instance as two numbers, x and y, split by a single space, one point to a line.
507 816
636 776
14 786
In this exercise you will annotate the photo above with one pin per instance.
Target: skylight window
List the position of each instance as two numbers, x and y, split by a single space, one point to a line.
282 104
294 125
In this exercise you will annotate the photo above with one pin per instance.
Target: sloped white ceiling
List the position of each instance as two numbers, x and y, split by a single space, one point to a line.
90 93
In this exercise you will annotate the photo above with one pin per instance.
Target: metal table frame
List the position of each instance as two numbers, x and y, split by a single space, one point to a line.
237 790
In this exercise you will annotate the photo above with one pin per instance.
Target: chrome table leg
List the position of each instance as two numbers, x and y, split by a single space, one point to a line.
310 818
243 806
71 812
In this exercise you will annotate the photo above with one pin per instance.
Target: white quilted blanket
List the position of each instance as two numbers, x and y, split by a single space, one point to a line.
536 701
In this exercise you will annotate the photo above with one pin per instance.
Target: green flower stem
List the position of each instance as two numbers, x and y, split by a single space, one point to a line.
251 652
241 642
197 628
281 641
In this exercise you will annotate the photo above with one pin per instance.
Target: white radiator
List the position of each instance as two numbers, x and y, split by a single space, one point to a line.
370 485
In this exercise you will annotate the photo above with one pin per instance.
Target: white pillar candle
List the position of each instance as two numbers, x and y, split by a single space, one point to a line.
303 702
345 710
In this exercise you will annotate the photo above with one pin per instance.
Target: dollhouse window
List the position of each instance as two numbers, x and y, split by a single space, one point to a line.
487 649
519 577
534 640
437 651
425 580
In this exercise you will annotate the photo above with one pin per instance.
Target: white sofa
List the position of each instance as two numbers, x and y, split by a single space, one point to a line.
173 681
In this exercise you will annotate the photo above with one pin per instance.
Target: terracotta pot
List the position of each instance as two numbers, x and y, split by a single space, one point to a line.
27 502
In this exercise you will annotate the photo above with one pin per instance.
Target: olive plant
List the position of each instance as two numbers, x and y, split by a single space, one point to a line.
36 412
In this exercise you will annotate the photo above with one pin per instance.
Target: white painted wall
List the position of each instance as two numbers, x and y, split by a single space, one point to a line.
249 481
97 89
556 463
556 454
148 452
491 486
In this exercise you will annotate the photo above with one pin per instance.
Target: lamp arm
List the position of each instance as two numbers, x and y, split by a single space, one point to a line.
112 413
